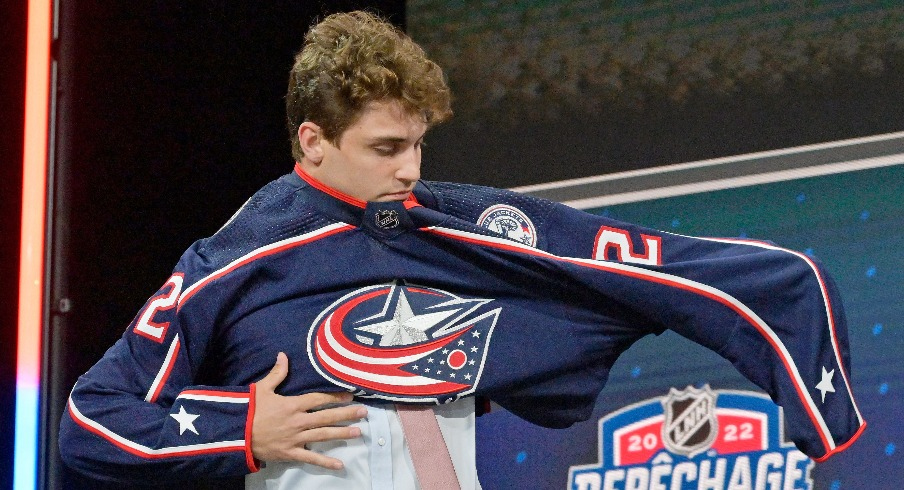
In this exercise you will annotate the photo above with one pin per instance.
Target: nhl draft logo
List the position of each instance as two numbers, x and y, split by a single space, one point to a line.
695 438
403 343
510 222
690 420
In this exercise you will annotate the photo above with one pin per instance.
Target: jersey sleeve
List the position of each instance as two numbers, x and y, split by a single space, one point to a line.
774 313
138 415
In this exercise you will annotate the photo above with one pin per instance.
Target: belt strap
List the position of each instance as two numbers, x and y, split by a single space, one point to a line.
429 453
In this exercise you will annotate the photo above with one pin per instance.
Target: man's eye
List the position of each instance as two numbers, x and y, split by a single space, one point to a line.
385 150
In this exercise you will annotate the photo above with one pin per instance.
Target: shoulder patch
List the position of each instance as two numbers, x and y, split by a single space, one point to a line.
510 222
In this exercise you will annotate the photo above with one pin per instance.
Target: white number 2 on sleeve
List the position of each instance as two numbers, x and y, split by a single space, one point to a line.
620 241
166 300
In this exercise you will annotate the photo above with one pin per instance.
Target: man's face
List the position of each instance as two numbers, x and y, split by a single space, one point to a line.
378 158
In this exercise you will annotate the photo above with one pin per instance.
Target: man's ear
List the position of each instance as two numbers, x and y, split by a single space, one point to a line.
310 137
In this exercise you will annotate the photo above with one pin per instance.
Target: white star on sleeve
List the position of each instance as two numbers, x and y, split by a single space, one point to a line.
186 420
826 383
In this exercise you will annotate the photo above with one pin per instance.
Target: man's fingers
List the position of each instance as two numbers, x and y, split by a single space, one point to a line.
314 401
322 434
311 457
331 417
303 454
276 375
284 424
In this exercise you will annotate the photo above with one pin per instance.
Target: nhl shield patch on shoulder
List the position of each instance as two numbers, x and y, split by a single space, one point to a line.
695 438
510 222
403 343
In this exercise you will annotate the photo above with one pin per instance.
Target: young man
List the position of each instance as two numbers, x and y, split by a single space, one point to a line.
358 278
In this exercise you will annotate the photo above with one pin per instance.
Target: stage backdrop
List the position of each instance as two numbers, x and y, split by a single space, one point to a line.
550 90
839 202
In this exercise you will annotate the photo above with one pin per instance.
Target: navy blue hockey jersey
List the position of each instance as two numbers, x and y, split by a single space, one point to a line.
461 290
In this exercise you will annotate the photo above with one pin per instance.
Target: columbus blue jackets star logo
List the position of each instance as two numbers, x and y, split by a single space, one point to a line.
405 328
403 343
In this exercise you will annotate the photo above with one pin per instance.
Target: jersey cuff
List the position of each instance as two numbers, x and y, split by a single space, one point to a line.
253 463
843 447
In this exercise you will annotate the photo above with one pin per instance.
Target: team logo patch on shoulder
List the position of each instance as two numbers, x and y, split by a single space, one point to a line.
695 438
510 222
403 343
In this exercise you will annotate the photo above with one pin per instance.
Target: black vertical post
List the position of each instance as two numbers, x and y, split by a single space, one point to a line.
56 294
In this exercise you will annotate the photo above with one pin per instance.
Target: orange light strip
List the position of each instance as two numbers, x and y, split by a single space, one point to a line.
31 261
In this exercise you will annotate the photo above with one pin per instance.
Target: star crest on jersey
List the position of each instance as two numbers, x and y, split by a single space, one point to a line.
405 328
403 343
825 384
509 222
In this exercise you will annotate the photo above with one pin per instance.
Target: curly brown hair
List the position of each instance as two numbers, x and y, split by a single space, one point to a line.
351 59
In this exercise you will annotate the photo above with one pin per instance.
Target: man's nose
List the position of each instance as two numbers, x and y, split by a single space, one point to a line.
409 166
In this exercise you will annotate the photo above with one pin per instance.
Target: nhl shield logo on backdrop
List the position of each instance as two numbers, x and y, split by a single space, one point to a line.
510 222
690 420
403 343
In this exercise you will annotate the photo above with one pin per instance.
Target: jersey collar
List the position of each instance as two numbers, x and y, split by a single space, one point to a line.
346 208
408 203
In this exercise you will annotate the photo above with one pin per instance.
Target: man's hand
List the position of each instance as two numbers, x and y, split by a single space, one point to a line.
283 425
